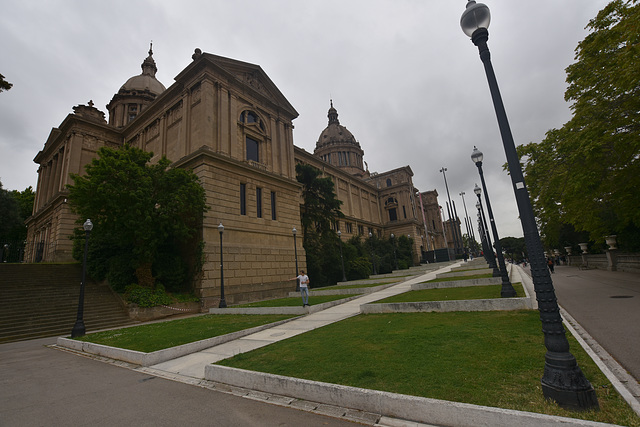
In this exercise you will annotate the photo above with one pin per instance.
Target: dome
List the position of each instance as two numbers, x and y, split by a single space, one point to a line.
335 133
147 80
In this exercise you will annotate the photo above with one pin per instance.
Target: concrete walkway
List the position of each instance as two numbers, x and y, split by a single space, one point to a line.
193 365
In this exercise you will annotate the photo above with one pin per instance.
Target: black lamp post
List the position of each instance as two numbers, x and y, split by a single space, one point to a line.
507 289
563 380
223 301
467 219
491 258
453 229
373 258
483 239
395 257
78 328
295 255
344 276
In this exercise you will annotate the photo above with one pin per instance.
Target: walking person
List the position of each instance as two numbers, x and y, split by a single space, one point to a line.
550 264
303 280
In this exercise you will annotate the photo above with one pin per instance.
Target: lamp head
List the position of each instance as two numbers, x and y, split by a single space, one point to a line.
370 234
221 228
294 231
339 233
477 155
474 17
88 225
477 190
392 236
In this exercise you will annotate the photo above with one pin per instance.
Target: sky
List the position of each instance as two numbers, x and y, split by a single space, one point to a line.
405 79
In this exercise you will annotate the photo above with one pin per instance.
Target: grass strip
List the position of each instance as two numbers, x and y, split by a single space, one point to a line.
367 285
294 301
161 335
452 294
483 358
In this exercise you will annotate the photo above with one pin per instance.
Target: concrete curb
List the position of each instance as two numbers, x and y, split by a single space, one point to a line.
350 291
497 304
457 283
298 310
417 409
155 357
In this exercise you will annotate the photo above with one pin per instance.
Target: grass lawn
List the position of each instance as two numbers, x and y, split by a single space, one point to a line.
484 358
451 279
367 285
294 301
451 294
158 336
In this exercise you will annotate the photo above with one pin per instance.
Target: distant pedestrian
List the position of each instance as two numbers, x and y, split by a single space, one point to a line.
466 256
550 264
303 280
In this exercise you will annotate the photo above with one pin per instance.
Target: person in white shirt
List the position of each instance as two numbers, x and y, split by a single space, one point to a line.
303 280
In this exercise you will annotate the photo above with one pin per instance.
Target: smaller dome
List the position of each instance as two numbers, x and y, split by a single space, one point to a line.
335 133
147 80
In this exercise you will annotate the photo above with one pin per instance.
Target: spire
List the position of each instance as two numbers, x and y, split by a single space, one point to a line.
149 65
333 115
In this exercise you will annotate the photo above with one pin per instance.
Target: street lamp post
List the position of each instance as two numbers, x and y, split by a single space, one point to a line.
491 258
395 256
453 229
483 239
507 288
344 276
223 301
468 222
563 380
79 328
373 258
295 255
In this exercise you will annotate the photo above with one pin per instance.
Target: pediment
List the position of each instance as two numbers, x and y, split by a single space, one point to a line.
250 76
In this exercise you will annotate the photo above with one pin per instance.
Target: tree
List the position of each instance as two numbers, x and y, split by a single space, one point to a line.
143 214
4 85
514 248
320 208
587 173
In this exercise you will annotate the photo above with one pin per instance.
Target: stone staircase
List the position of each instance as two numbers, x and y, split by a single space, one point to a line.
41 300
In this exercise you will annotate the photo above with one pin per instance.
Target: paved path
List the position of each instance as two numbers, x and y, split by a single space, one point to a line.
41 386
607 305
193 365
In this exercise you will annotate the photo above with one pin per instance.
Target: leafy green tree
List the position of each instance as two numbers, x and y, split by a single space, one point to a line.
9 214
4 85
320 208
145 215
587 173
15 208
514 248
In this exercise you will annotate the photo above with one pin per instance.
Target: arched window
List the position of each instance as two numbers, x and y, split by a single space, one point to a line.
388 182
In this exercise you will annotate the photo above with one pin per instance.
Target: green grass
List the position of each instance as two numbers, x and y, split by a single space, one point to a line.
484 358
452 279
294 301
451 294
158 336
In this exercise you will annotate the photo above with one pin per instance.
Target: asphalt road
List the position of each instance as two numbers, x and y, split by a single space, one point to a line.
41 386
607 306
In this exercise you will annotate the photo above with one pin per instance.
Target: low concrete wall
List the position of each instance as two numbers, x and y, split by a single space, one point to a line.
281 310
463 273
457 283
413 408
497 304
350 291
148 359
145 314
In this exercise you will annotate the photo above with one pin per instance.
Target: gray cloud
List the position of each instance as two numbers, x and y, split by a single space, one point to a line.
405 80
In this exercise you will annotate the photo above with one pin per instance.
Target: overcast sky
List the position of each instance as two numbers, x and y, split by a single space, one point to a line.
404 78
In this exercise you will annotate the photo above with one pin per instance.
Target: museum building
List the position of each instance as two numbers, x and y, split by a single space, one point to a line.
229 123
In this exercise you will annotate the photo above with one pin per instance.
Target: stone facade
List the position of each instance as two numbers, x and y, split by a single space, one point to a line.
228 122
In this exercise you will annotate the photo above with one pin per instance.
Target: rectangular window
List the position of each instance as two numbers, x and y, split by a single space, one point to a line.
259 202
252 150
404 211
393 216
360 229
347 226
273 205
243 199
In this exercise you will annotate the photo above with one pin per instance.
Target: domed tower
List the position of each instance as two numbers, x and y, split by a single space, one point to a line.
337 146
138 92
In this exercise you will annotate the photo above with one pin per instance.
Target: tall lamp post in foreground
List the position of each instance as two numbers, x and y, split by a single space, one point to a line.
78 328
563 380
223 301
344 276
507 288
295 254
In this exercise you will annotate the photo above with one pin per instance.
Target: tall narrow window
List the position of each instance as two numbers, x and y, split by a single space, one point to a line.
259 202
252 150
273 205
404 211
243 199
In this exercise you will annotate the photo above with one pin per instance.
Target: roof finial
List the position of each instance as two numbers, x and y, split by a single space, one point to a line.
151 48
